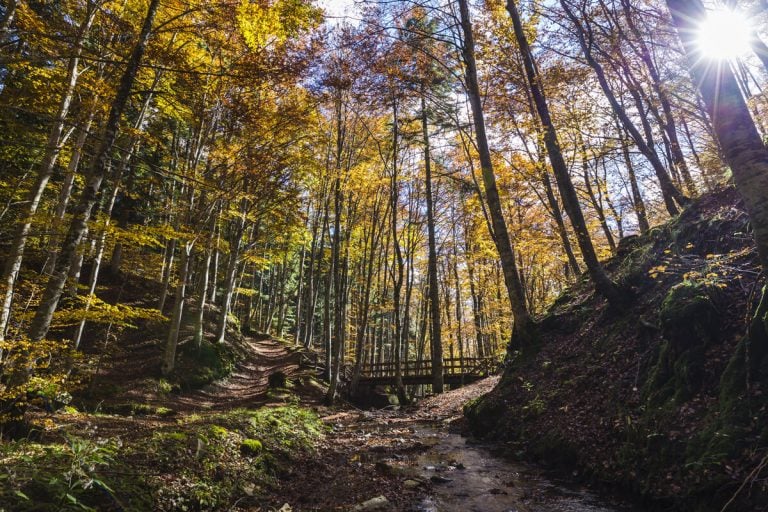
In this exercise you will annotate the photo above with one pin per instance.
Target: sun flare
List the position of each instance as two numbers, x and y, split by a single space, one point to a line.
725 34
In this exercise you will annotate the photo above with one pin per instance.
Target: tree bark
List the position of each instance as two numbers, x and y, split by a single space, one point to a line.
229 278
169 356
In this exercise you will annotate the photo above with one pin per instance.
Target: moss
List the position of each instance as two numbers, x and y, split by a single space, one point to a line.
138 409
633 269
172 436
217 432
689 322
483 413
688 314
200 366
251 447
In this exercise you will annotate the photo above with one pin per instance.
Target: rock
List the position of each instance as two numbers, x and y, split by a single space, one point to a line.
386 469
440 479
412 484
497 491
377 503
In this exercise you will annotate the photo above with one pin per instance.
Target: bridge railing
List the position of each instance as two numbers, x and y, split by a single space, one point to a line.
451 366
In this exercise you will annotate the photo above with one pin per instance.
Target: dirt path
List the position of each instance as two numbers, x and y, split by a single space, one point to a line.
248 384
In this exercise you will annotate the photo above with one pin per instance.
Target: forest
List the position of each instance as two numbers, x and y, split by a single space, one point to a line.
251 249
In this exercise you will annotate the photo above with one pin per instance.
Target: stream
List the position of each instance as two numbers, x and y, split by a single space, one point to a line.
468 477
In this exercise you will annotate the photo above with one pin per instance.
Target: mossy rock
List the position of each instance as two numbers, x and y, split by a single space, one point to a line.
205 364
251 447
689 316
217 432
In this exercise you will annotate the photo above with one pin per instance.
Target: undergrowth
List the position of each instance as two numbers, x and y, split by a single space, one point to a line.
200 462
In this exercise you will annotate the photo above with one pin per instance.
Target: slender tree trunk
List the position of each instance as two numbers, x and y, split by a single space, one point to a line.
65 194
397 275
299 295
669 121
52 150
335 345
334 349
170 253
434 297
559 222
365 307
169 356
593 199
82 213
215 266
522 334
98 257
202 293
229 280
672 196
602 282
459 302
637 198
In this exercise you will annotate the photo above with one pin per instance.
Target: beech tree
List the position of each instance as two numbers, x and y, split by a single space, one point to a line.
744 148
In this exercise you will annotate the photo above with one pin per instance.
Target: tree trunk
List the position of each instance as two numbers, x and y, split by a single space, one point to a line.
744 149
82 213
229 280
672 196
559 222
434 296
170 253
397 275
202 294
523 328
637 198
169 356
602 282
15 256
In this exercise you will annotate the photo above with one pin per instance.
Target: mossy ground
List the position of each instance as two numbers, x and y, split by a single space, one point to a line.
210 461
666 402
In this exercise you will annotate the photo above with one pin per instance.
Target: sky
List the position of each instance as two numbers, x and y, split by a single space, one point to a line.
337 9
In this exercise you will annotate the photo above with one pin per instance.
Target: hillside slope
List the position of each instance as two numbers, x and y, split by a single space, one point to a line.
656 401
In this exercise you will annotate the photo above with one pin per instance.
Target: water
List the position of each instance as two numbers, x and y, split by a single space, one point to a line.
473 479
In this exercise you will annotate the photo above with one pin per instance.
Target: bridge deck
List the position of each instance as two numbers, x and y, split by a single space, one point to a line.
456 371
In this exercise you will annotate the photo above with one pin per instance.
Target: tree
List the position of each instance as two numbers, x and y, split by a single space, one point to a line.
568 193
744 149
96 175
523 333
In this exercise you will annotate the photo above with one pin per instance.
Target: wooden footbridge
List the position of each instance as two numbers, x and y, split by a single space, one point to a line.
456 372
